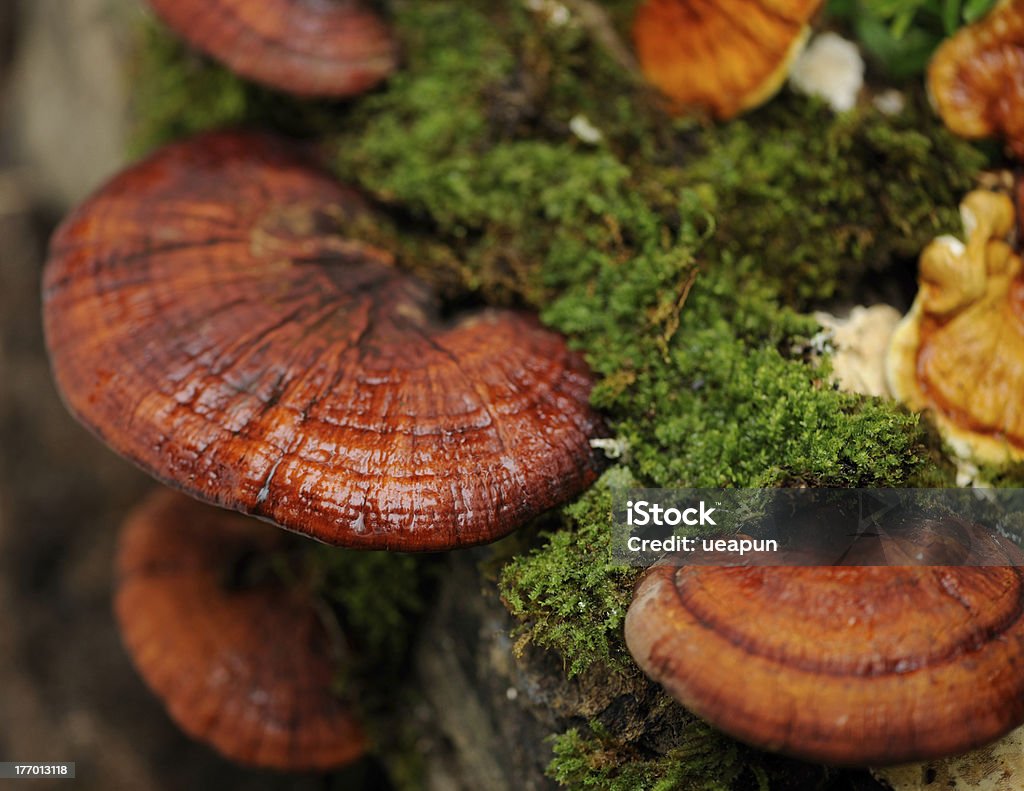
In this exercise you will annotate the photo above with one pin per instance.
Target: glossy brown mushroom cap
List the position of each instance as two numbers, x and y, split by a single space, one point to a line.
205 318
247 669
839 665
976 78
722 56
326 48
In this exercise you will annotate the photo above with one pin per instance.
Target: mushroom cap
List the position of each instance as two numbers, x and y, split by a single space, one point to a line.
245 668
976 77
324 48
841 665
959 352
723 56
206 320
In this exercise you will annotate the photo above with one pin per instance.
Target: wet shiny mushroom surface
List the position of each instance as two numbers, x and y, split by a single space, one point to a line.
207 319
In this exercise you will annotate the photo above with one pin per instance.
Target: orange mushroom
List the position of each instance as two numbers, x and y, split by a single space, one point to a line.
959 352
976 78
244 665
854 665
720 56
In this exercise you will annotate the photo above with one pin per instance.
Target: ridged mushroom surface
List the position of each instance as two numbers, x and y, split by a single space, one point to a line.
851 665
207 319
976 77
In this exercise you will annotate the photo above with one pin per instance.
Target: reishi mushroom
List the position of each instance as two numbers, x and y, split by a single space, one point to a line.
313 48
959 352
720 56
205 318
852 665
976 77
246 666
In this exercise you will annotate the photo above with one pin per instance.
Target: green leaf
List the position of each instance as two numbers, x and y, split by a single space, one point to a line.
950 15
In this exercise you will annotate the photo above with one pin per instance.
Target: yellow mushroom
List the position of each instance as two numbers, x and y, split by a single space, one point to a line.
976 78
959 352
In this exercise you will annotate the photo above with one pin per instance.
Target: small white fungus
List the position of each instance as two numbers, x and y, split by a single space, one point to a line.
585 130
831 68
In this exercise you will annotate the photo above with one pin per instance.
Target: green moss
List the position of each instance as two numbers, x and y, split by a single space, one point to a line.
900 35
703 760
179 92
820 200
611 249
376 600
378 595
567 594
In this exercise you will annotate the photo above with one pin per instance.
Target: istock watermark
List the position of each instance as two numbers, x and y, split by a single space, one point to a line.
819 527
643 512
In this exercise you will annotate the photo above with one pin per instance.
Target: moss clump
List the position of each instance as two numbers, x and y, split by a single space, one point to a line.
819 200
377 595
375 601
181 92
704 396
703 760
567 594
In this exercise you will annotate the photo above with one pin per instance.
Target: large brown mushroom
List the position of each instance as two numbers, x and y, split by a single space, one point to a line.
240 661
853 665
722 56
326 48
205 318
976 78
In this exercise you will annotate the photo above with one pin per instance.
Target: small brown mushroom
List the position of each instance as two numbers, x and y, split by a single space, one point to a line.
723 57
859 665
976 77
205 317
326 48
959 352
244 666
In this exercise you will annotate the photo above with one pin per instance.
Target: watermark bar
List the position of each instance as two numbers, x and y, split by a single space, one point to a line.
819 527
23 770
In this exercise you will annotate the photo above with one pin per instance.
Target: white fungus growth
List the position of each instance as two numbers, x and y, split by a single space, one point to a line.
613 447
556 13
831 68
890 102
585 130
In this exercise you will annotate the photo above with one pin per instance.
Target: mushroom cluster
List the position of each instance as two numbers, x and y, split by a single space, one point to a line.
210 316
